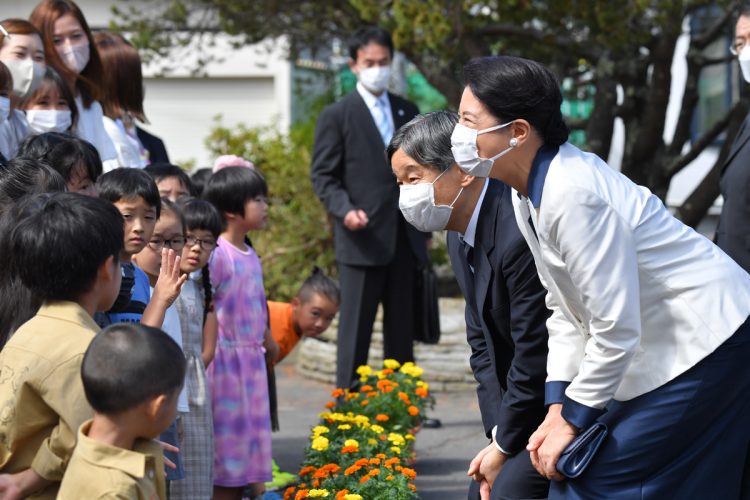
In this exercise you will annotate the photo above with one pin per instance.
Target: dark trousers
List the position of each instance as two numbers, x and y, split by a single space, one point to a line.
362 289
686 439
518 480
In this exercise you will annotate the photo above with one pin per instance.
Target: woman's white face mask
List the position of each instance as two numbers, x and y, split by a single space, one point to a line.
417 203
48 120
466 153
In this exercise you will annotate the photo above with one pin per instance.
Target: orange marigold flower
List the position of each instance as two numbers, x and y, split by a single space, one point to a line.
350 449
332 468
341 494
413 411
421 392
372 394
303 485
412 487
382 437
364 479
381 456
352 395
410 473
320 474
289 492
392 461
374 461
362 462
403 396
316 483
380 417
389 478
386 371
301 494
374 472
351 470
365 388
384 383
364 402
338 392
330 405
306 470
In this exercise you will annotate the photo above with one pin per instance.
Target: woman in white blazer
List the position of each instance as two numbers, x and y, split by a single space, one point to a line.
649 330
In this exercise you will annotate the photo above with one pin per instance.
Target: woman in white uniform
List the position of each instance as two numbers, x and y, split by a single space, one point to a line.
70 49
648 332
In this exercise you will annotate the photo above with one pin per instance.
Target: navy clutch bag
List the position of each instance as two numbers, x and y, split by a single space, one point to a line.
581 450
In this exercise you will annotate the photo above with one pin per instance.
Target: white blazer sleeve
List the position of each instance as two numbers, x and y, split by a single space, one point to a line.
599 258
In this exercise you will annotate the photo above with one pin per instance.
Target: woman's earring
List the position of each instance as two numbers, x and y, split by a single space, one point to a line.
513 142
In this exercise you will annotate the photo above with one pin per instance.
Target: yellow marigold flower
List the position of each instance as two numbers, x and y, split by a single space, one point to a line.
352 496
351 442
396 439
376 428
317 493
391 363
396 450
344 427
364 370
372 441
410 437
361 419
320 443
351 395
380 374
320 429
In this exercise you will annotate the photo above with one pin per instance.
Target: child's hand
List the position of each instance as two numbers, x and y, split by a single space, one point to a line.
170 281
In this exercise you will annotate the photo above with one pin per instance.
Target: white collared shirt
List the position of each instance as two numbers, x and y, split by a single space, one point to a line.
372 102
470 234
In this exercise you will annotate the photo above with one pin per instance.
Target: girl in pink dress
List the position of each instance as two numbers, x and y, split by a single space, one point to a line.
237 376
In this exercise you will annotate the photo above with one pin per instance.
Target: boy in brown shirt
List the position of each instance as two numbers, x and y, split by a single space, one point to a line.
64 247
133 392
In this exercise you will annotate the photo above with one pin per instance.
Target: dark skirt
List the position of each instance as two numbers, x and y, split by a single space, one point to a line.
687 439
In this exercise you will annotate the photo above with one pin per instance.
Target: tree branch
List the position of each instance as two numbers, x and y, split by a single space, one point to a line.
704 141
549 38
701 42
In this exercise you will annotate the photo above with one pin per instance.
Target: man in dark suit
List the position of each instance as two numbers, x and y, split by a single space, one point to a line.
733 231
505 308
376 251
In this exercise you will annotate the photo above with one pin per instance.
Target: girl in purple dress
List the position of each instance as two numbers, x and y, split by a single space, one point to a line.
237 376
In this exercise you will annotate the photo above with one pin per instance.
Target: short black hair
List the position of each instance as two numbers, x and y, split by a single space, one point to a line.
366 35
229 189
63 152
201 214
426 139
198 181
125 183
60 241
513 88
22 176
319 283
160 171
128 363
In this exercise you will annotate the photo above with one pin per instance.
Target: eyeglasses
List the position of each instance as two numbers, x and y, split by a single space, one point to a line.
177 243
737 46
204 244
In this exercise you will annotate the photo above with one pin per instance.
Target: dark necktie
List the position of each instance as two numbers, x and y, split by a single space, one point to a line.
469 254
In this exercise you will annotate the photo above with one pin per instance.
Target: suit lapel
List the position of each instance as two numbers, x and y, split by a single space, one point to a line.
363 116
398 112
484 244
742 137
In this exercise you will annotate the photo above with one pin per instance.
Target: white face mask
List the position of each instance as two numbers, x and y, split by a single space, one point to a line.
4 109
744 60
27 75
76 57
48 120
417 203
466 154
375 79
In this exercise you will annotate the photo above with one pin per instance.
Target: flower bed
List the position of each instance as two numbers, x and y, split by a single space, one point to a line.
364 444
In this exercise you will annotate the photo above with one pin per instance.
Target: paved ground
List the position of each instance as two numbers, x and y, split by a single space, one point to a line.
443 454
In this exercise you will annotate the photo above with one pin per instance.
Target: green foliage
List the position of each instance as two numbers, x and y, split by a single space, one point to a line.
298 235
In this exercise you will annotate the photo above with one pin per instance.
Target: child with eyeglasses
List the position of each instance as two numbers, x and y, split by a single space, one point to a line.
169 234
199 329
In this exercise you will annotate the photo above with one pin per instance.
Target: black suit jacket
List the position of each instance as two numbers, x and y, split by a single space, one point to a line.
505 321
349 170
733 231
157 152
